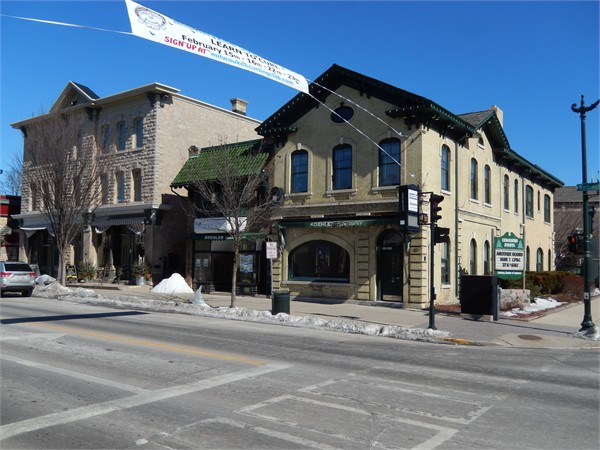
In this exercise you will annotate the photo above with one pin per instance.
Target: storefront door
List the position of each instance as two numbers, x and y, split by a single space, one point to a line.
390 256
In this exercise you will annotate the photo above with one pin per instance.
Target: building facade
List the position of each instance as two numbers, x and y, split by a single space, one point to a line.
339 162
146 131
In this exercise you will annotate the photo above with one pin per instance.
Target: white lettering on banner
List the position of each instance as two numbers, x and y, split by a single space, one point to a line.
151 25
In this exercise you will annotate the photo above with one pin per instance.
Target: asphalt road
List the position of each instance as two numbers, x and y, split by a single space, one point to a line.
81 376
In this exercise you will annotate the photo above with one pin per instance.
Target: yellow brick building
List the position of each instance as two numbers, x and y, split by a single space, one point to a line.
340 155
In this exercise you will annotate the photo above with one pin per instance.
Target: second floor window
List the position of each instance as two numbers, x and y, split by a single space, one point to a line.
299 181
445 180
389 157
506 193
516 196
474 185
547 208
529 201
487 184
139 132
136 176
342 167
122 129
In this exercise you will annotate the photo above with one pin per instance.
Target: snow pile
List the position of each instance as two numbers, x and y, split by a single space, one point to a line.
89 296
539 304
44 280
175 284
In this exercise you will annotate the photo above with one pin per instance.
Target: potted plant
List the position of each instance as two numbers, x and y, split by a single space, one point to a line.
141 273
86 271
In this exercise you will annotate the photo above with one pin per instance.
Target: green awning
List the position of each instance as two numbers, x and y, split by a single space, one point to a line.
242 158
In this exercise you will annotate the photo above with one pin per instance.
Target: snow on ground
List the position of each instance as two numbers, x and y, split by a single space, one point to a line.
200 308
539 304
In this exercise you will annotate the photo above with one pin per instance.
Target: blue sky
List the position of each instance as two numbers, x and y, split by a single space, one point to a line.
532 59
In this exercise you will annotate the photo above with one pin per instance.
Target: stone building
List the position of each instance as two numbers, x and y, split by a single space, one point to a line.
147 130
340 161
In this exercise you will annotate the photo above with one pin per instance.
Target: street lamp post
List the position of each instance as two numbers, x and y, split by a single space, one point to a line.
587 323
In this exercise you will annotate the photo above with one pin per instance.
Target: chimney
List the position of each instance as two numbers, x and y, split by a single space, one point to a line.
499 114
238 106
193 151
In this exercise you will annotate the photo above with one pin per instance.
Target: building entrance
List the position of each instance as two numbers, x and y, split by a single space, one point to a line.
390 256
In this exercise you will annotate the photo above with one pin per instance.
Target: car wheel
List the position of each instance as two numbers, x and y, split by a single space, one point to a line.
27 293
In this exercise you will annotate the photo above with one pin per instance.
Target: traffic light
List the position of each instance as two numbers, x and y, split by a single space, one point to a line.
572 241
434 207
576 243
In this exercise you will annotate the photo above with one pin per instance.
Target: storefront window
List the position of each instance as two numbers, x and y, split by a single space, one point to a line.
319 261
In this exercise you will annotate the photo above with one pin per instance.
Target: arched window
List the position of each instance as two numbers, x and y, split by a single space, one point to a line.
474 175
342 167
487 184
299 181
319 261
516 196
539 260
529 201
487 258
445 175
546 208
506 192
389 157
473 258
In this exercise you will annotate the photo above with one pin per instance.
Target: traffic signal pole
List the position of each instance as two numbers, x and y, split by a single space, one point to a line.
587 323
434 211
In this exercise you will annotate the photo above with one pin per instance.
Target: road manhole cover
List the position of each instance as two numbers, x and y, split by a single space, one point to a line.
529 337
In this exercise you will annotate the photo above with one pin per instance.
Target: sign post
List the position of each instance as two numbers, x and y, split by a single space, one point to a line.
271 255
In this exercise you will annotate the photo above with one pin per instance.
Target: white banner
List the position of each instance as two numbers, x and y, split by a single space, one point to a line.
149 24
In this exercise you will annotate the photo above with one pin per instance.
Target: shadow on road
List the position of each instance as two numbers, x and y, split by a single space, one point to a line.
69 317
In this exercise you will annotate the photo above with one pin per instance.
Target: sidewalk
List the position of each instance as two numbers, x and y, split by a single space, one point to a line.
557 329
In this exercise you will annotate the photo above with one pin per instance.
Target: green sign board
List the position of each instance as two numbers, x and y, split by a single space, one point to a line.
509 256
589 186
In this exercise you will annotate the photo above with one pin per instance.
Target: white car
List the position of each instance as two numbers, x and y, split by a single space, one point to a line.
16 276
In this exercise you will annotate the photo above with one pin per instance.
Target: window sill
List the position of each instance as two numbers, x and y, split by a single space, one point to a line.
298 195
335 193
378 189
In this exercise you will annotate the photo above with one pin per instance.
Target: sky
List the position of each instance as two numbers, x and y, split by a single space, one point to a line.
531 59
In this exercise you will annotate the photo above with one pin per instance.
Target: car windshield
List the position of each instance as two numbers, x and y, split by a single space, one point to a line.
17 267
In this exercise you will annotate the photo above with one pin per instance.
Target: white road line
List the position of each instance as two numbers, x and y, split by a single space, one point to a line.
80 376
85 412
442 435
271 433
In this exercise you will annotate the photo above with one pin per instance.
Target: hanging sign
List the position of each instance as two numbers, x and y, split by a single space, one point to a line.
151 25
271 250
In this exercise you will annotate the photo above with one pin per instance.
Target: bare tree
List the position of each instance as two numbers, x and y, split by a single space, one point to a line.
566 222
10 182
62 171
231 183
